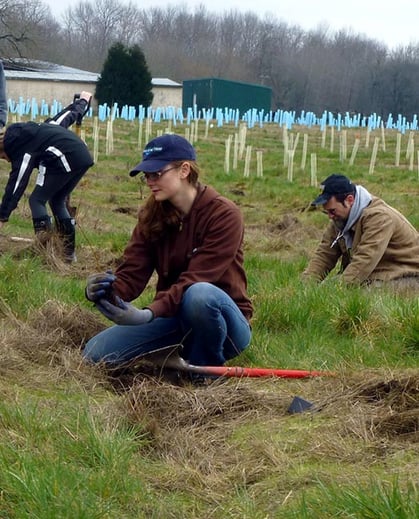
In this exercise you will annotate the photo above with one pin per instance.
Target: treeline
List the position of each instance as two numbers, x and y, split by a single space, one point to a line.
315 70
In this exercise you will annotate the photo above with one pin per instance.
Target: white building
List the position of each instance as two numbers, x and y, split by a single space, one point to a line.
48 82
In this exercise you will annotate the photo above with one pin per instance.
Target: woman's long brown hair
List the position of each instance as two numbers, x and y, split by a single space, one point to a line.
158 217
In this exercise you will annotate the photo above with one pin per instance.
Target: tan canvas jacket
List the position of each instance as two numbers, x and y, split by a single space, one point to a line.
385 246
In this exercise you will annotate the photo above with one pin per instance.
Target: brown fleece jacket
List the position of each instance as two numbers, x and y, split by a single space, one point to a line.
207 246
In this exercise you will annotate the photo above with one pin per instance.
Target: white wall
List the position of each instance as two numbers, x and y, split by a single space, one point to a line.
167 96
63 92
48 91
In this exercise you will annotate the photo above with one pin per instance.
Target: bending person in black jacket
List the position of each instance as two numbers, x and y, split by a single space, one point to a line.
61 158
3 98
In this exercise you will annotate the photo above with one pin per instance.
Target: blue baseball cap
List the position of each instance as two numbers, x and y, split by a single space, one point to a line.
163 150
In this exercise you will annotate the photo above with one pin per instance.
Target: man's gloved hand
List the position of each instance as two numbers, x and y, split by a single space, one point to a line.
99 286
124 313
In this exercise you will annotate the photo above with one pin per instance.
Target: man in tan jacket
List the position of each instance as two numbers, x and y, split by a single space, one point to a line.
374 242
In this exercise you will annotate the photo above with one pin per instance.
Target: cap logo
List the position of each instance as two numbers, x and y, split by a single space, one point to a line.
154 149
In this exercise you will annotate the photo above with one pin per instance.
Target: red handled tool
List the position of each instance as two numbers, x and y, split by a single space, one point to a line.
170 358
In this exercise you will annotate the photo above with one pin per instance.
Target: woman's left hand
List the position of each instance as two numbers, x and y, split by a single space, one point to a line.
124 313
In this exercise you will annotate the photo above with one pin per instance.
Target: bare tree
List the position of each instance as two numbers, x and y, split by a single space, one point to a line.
397 86
313 70
93 27
23 27
230 55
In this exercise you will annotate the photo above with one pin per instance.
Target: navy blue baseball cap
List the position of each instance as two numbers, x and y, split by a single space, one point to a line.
163 150
334 185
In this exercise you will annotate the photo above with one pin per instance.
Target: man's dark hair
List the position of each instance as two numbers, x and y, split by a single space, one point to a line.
341 197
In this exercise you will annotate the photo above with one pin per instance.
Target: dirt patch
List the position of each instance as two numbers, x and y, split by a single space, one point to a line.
241 432
126 210
69 325
362 409
222 402
47 346
288 235
374 405
390 407
90 258
231 432
14 245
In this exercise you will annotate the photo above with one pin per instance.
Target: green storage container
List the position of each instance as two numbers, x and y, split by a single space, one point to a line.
221 93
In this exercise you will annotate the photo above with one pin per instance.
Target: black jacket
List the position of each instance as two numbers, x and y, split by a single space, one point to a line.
29 144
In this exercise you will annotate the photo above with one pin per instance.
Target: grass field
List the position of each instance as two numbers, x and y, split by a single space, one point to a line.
78 444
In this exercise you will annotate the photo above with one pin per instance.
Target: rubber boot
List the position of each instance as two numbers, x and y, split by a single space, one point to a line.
43 229
67 231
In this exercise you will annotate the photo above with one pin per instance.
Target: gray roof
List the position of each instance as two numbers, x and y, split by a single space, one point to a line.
164 81
22 68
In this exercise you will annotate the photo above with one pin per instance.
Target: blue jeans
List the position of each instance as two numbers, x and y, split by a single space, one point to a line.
209 325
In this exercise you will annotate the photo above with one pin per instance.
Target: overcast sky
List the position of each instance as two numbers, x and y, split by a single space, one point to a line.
392 23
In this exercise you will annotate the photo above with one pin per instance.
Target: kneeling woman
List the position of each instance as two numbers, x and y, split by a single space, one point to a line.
192 237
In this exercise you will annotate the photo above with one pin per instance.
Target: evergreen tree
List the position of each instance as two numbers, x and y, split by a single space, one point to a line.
125 78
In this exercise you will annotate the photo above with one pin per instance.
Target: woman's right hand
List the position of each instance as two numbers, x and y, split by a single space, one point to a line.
99 286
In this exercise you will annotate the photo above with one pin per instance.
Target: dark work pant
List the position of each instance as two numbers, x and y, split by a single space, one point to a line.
53 187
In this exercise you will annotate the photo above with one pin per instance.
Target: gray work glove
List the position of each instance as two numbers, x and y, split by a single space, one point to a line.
124 313
99 286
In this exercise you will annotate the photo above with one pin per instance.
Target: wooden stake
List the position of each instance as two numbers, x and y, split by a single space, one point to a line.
286 144
304 153
398 148
313 169
147 129
412 155
297 138
196 130
367 138
410 146
242 135
227 154
284 134
354 151
259 163
95 139
109 137
324 137
235 150
140 136
342 146
332 138
374 155
192 132
21 239
383 138
247 161
290 173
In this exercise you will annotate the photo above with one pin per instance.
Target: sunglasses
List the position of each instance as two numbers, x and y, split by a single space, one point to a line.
155 175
